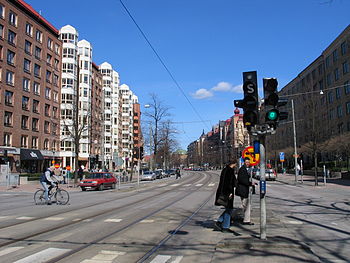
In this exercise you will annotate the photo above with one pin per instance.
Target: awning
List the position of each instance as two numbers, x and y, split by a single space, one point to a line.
27 154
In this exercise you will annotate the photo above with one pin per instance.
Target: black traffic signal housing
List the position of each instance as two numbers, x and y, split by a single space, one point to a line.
272 102
250 102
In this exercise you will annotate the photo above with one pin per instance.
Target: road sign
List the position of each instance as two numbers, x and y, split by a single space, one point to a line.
281 156
249 152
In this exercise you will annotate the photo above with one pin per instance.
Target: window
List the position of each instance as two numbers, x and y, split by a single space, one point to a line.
29 29
25 103
55 79
343 48
28 47
38 36
67 83
11 38
47 110
35 106
36 88
10 77
37 70
48 76
54 128
337 93
330 97
47 127
320 84
37 52
34 142
336 74
26 65
2 11
46 144
8 118
47 93
327 62
35 124
24 141
67 98
57 49
54 112
7 139
335 55
10 57
12 18
331 114
347 87
340 111
348 108
320 69
48 59
55 96
68 68
49 43
24 122
1 31
8 98
56 63
329 79
345 67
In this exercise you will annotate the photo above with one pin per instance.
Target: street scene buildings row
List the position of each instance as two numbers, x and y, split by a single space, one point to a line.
53 97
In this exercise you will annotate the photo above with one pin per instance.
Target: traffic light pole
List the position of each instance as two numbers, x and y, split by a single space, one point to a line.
262 188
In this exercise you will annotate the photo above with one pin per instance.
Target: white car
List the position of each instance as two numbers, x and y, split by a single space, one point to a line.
148 176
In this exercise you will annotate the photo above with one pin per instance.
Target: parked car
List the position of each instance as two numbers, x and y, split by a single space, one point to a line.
148 176
170 172
270 174
98 181
159 174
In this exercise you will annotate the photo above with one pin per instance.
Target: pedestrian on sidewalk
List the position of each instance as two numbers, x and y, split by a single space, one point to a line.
243 184
224 196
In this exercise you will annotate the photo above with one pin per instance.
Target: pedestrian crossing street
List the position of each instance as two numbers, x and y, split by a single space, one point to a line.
102 256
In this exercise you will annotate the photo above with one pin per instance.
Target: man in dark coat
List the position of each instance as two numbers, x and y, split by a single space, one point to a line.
242 190
224 196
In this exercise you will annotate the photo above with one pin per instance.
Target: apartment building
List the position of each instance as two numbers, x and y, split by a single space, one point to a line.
137 132
30 79
321 96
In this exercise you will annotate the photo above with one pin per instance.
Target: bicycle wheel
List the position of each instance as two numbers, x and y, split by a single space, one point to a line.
39 197
61 196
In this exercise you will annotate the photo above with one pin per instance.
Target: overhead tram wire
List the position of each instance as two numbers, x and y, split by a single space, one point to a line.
163 64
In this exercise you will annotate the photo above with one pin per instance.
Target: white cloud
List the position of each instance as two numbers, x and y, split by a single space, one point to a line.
227 87
202 94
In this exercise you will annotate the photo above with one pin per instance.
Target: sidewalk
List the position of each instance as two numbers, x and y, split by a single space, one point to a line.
309 180
31 187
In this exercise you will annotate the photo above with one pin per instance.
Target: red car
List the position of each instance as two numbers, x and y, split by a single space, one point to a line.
98 181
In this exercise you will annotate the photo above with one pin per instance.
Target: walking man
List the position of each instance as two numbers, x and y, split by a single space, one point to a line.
224 197
242 190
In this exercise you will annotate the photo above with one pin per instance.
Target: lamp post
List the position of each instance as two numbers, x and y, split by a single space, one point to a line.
295 143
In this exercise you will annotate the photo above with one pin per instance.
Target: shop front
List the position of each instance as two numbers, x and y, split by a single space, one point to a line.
32 161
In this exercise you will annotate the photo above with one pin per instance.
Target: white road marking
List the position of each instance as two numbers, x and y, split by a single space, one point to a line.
187 184
174 184
173 221
294 222
9 250
76 219
61 236
87 220
54 218
199 184
162 184
114 220
3 217
147 221
334 224
25 218
166 259
212 184
43 256
104 256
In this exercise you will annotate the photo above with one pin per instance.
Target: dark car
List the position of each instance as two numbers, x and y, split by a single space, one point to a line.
159 174
98 181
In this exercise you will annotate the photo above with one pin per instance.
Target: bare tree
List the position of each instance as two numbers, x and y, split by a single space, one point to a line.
156 114
167 141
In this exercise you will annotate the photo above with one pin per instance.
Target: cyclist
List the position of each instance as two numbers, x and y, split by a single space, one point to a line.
48 180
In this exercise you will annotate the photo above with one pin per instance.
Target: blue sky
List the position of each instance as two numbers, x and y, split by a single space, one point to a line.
206 44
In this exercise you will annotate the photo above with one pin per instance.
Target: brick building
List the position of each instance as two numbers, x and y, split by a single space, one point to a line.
30 70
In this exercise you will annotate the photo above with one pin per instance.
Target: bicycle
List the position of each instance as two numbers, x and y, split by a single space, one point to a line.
57 195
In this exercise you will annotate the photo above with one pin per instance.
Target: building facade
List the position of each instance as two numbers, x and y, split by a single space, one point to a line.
30 79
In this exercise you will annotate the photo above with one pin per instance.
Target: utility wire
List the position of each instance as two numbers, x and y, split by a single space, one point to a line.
163 63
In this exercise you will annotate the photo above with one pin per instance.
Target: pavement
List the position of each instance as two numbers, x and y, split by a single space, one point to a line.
244 245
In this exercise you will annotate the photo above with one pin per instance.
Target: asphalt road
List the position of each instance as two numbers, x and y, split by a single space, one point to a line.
171 220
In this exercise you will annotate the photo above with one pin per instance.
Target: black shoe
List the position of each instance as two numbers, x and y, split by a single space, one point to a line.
217 226
248 223
227 230
49 204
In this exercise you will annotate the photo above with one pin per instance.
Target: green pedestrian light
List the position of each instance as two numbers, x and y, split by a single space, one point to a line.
272 115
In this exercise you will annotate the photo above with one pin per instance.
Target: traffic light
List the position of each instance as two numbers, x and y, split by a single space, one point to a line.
271 98
250 102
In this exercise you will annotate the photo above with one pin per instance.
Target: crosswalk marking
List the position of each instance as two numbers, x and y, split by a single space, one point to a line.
104 256
54 218
114 220
174 184
199 184
43 256
167 259
25 218
87 220
9 250
147 221
187 185
212 184
76 219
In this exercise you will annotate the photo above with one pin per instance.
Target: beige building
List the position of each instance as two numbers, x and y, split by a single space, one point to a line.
30 78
